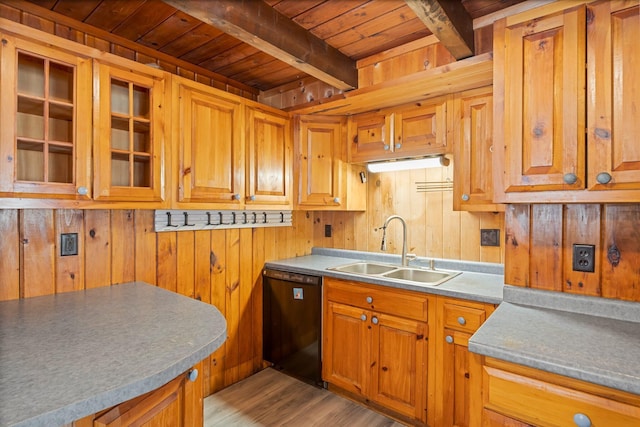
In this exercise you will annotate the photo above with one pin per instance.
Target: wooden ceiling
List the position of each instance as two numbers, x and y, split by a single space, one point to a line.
266 44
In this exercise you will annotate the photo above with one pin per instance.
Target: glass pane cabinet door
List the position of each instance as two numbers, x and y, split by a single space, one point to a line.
129 141
48 119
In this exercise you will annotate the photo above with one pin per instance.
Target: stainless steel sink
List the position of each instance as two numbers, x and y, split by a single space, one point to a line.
413 275
367 268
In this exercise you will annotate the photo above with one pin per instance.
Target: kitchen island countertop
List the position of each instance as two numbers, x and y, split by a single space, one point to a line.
66 356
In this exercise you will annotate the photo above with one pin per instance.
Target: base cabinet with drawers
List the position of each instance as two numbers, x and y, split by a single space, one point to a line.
376 345
519 396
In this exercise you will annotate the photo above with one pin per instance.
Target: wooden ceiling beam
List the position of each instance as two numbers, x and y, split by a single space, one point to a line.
449 21
254 22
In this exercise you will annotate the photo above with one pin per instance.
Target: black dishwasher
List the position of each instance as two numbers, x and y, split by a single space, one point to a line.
292 321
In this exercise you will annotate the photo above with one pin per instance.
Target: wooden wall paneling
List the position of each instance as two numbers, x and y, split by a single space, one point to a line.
270 252
375 211
10 250
37 256
451 221
620 232
233 307
581 226
247 280
185 278
361 231
491 220
516 244
69 269
303 222
470 236
97 248
37 22
434 223
546 237
167 261
145 246
348 223
258 260
414 209
218 299
9 12
338 231
123 253
203 266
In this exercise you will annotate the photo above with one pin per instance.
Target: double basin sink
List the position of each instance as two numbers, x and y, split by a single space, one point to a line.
413 275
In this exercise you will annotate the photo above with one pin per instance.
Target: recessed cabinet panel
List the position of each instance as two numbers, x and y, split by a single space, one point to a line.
369 136
421 130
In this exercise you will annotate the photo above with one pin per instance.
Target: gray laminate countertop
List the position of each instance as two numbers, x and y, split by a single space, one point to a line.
586 338
66 356
479 281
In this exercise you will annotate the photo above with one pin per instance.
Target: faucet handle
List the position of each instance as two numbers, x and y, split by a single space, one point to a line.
411 257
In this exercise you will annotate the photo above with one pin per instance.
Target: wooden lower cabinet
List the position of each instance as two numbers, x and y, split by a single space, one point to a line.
519 396
176 404
458 372
376 345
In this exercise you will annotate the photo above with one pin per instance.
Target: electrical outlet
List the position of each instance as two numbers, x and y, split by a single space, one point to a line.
327 230
68 244
584 258
490 237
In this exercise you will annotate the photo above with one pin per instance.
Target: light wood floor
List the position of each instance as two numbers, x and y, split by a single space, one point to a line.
271 398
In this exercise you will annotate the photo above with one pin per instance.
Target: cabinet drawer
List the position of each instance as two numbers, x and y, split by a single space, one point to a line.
376 298
545 404
463 318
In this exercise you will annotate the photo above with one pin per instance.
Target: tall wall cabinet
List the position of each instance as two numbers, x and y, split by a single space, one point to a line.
560 142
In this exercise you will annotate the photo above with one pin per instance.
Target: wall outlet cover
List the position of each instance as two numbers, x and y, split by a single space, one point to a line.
584 258
490 237
68 244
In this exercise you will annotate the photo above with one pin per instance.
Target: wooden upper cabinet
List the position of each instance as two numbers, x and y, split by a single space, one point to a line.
129 132
472 123
269 155
208 138
613 103
421 130
45 121
369 136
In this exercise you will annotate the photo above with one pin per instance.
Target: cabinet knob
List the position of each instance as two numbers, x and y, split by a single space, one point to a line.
252 197
570 178
83 191
236 196
603 178
449 339
465 197
336 200
363 317
193 375
375 320
462 320
398 146
369 300
386 147
581 420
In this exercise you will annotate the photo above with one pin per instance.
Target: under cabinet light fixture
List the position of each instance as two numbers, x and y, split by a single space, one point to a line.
407 164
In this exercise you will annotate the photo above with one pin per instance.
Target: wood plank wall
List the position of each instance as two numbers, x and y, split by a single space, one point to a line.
539 248
434 229
220 267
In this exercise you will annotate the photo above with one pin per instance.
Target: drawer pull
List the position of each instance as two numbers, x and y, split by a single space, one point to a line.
603 178
369 300
462 321
570 178
581 420
374 320
363 317
193 375
449 339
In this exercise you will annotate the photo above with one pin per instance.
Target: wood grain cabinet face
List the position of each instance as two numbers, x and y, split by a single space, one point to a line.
269 154
373 349
568 135
210 145
45 121
129 133
370 137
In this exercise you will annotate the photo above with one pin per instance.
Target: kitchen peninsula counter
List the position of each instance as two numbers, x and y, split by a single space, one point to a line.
66 356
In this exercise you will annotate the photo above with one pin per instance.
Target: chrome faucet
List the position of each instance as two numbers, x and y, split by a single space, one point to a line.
383 246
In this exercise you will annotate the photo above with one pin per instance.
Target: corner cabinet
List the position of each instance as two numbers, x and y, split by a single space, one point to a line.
376 345
177 403
560 142
45 121
325 180
129 132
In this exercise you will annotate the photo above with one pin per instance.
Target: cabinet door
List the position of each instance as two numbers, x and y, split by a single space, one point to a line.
211 145
422 130
319 152
399 365
541 102
347 340
269 165
45 121
613 90
369 137
472 114
129 126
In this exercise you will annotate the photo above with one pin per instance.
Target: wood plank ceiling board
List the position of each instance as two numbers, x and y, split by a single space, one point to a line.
171 29
108 14
449 21
192 40
144 19
79 10
255 23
